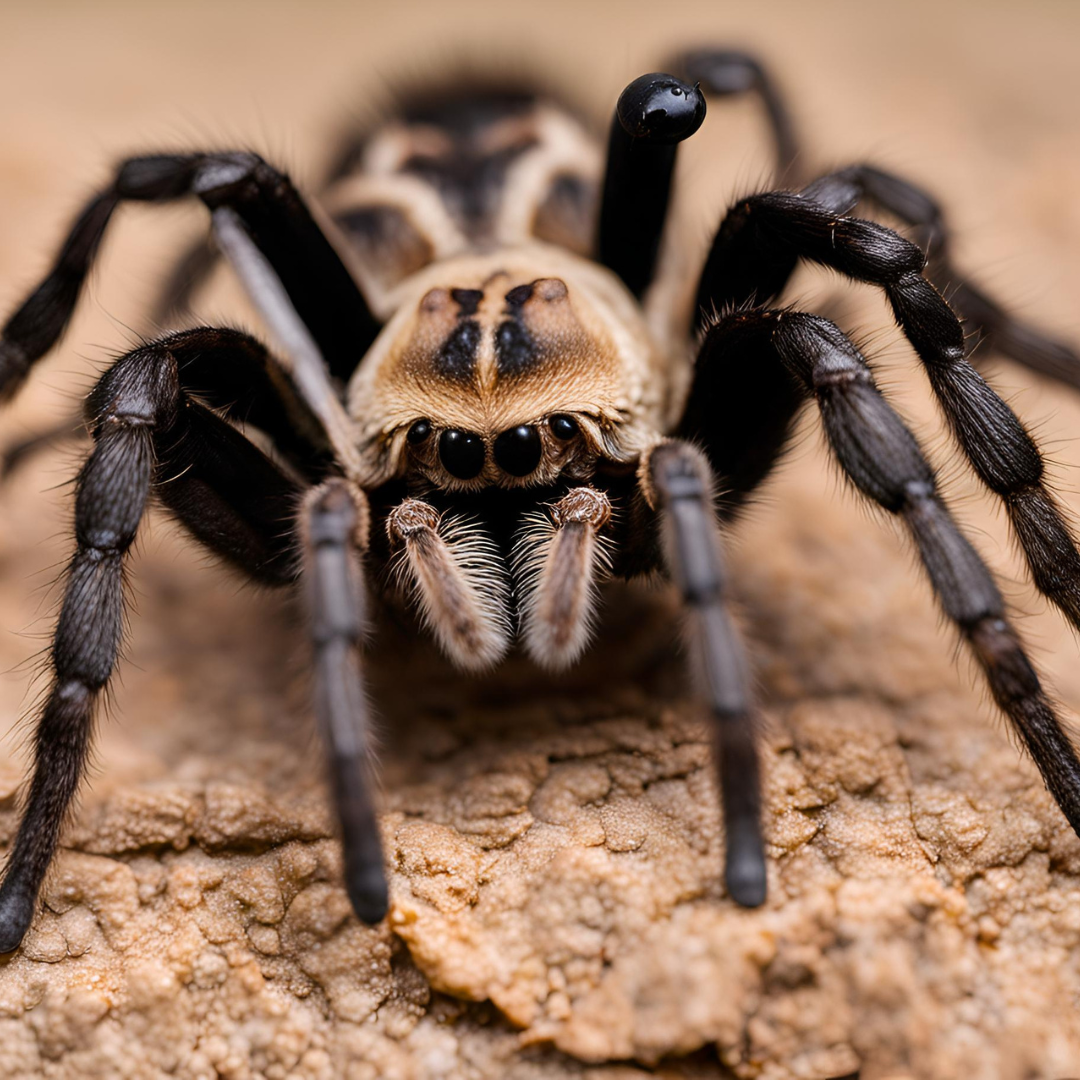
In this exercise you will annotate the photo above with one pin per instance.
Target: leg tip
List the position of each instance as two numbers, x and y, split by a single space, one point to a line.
745 876
368 894
16 915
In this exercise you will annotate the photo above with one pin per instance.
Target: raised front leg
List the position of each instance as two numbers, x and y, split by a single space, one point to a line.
654 114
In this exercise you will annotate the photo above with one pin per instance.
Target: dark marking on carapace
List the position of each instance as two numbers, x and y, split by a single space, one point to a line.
468 300
517 296
515 348
456 359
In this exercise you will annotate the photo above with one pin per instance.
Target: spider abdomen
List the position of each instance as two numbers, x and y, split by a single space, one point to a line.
454 170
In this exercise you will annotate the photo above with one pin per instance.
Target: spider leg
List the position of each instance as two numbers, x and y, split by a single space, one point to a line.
195 263
557 558
741 409
146 431
240 190
839 193
334 522
222 488
234 374
842 191
751 256
653 115
884 461
682 488
727 72
459 582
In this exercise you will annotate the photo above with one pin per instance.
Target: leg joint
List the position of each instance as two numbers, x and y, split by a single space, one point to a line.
142 389
336 514
219 174
676 471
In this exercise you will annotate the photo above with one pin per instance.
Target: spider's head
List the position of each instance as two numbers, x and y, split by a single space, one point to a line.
509 376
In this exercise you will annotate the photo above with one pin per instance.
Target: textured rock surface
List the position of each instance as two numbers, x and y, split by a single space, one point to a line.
555 846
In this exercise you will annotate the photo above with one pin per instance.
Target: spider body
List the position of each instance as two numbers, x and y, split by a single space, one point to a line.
476 388
472 217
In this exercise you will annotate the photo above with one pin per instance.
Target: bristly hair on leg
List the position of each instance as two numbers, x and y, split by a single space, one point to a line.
457 576
558 558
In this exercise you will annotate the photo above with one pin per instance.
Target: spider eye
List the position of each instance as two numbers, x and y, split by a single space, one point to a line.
517 451
462 453
563 427
419 432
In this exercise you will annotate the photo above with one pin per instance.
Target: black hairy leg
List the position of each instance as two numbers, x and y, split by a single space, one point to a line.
235 374
148 433
682 485
728 72
741 409
883 460
334 523
195 263
842 191
232 185
751 257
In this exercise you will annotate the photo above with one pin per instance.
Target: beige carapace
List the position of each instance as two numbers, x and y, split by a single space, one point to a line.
492 342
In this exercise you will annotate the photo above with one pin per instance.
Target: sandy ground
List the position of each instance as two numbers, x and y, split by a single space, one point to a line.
557 911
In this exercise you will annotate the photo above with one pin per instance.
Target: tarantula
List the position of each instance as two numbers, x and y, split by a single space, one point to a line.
478 389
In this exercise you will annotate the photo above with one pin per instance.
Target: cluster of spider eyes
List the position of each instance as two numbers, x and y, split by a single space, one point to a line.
517 450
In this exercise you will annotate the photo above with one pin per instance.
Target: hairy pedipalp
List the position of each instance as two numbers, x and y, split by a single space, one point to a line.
558 557
454 570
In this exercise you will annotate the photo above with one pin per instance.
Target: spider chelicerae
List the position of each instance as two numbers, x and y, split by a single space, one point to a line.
481 401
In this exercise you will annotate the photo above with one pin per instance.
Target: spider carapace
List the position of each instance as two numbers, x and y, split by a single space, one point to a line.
476 387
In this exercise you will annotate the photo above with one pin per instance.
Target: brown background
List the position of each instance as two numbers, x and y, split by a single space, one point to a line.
977 101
